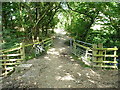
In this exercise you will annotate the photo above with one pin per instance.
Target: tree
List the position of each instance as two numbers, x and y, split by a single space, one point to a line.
25 22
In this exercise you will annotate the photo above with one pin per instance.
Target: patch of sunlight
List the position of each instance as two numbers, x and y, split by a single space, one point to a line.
76 64
72 60
55 56
71 57
87 74
59 67
66 55
61 49
53 52
86 61
60 31
93 73
96 27
13 17
62 38
22 29
105 86
58 77
68 77
68 86
47 58
52 49
91 81
78 73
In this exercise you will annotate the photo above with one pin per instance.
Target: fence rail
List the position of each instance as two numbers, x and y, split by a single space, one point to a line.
9 50
102 58
14 56
95 55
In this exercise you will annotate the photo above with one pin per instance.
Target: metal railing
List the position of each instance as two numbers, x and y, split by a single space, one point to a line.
94 55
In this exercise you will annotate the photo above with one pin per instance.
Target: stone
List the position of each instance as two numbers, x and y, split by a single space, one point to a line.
25 65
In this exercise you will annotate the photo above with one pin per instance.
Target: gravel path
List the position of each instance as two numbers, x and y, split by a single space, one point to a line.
57 69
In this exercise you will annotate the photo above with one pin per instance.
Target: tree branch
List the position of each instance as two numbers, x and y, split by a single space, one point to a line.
46 11
79 11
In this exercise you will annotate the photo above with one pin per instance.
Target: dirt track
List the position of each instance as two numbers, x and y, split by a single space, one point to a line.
57 69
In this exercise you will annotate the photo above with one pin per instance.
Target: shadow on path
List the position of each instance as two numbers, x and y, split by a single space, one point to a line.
57 69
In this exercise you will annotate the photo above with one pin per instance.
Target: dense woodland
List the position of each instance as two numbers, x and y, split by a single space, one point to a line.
29 21
88 37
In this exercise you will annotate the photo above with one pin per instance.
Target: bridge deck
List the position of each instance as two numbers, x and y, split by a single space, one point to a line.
57 69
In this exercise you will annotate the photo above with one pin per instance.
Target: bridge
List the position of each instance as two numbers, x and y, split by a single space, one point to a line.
57 65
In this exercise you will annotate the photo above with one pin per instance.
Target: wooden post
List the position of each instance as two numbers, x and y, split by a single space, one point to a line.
33 38
74 47
100 45
42 44
94 52
38 39
115 53
5 67
71 45
22 51
51 41
104 57
86 54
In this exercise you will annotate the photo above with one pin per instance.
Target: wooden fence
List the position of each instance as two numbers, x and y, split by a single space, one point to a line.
95 55
104 57
12 57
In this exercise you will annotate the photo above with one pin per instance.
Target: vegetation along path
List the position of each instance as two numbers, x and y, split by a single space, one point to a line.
57 69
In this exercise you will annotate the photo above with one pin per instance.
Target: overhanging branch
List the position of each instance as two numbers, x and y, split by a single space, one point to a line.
79 11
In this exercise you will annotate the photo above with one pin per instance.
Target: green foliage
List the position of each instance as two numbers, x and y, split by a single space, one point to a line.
27 21
22 21
86 15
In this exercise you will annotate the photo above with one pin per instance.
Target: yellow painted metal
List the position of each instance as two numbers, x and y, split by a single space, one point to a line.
106 61
105 66
108 49
82 46
11 60
9 63
10 55
105 55
9 50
